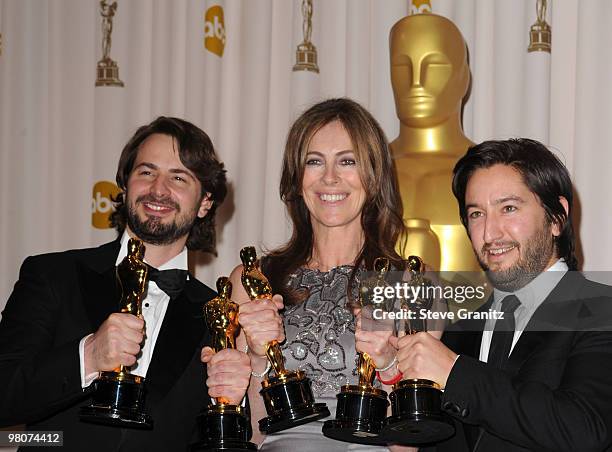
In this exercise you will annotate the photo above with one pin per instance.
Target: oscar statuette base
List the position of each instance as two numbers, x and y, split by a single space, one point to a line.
107 73
306 58
223 427
417 414
360 415
118 399
289 402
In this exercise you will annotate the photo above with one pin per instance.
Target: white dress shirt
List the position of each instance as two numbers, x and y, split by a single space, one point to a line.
153 310
531 297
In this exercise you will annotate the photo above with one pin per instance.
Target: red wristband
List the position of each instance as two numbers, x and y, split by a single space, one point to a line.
391 382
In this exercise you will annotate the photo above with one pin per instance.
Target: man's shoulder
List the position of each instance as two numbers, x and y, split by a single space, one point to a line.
577 303
579 285
61 258
595 288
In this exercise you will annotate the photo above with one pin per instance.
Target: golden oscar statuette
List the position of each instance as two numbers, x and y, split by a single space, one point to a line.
287 395
416 404
107 71
119 396
430 77
306 53
361 408
223 426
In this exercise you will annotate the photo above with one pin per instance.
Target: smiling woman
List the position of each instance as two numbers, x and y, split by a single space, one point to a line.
331 186
339 186
337 148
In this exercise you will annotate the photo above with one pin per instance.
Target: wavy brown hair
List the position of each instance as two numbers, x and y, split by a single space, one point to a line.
196 151
381 216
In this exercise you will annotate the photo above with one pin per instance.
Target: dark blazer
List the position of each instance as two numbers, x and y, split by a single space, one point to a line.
556 392
60 298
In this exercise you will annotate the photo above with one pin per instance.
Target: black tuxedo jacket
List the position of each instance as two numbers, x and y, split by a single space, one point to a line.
60 298
556 392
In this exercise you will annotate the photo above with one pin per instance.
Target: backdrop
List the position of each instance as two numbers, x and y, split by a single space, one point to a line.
226 65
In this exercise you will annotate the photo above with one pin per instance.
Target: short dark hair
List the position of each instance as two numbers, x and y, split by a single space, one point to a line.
542 172
197 153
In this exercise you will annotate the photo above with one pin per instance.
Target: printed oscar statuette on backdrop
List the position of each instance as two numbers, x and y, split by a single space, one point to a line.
107 71
119 396
287 395
223 426
417 416
306 53
361 408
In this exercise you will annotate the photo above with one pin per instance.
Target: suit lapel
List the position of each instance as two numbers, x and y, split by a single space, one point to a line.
475 327
555 313
182 334
470 333
98 283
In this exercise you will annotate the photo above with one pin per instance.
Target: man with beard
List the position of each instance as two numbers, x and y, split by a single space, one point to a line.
539 378
61 328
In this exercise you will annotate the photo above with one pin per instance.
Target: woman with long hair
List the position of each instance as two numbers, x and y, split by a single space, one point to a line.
340 189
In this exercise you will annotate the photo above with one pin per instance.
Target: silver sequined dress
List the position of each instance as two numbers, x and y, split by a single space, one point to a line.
320 341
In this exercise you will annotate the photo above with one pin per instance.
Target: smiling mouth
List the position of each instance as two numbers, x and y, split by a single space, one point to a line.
500 251
328 197
161 208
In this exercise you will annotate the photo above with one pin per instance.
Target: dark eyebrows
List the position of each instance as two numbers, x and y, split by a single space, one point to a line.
341 153
183 172
172 170
146 165
503 200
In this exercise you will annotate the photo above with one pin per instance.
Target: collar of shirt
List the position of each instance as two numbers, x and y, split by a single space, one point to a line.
533 294
177 262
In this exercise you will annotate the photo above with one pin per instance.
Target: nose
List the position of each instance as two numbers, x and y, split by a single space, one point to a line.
159 187
330 176
492 229
416 74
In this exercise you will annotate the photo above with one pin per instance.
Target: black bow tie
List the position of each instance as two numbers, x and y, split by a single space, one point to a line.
170 281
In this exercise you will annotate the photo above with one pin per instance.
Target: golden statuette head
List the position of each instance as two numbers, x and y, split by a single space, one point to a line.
224 287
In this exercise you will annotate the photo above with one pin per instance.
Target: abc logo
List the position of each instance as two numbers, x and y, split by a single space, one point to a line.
101 204
214 30
420 7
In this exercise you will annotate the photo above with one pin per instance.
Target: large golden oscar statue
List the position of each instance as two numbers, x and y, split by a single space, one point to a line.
430 78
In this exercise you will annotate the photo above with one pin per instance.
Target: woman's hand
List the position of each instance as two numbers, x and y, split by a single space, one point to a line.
229 373
372 337
262 323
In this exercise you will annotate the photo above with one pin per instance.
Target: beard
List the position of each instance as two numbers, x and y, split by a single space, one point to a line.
534 256
153 230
